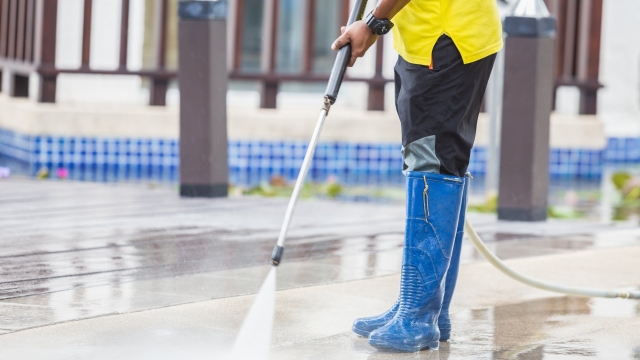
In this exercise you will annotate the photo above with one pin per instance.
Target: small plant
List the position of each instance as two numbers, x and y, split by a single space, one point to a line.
43 173
332 188
279 187
564 213
620 179
628 187
489 206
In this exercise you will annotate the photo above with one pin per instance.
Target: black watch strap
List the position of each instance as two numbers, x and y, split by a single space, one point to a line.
378 26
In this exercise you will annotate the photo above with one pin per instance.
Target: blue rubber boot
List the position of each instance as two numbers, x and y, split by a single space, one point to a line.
364 326
444 322
433 206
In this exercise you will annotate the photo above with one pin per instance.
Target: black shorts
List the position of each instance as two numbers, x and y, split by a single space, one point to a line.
439 108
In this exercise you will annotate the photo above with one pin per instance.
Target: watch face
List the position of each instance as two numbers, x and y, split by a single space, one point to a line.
381 28
378 27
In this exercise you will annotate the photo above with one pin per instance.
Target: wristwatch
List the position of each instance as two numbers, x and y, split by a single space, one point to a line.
378 26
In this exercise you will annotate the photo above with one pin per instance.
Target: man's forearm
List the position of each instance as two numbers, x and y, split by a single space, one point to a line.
387 9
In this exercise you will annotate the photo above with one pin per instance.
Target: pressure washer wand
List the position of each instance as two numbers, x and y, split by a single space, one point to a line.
330 96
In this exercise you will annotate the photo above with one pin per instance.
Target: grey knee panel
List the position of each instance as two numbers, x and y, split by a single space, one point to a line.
420 155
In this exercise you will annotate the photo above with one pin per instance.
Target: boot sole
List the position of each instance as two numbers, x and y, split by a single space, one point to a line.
433 345
444 335
361 332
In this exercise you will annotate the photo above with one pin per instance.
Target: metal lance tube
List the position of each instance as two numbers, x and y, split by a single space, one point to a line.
330 96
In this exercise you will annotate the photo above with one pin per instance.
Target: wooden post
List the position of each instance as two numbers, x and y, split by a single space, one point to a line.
124 35
45 48
4 27
13 17
18 82
269 91
86 34
524 150
238 35
202 34
29 32
589 55
309 36
20 33
159 85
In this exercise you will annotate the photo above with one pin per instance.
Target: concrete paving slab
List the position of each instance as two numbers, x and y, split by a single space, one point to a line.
90 249
127 271
493 317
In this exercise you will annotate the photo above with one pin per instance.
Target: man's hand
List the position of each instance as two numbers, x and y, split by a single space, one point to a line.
360 37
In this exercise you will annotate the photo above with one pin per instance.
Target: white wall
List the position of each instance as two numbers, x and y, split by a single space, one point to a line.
105 47
619 100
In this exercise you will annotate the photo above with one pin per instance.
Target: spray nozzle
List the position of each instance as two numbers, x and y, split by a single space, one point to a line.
276 255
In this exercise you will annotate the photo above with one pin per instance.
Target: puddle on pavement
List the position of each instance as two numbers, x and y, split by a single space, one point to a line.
552 328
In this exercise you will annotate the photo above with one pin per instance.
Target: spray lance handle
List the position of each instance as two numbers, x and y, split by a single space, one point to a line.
330 96
344 55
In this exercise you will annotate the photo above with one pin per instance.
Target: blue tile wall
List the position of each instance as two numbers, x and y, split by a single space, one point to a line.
576 162
623 150
16 146
250 162
254 161
478 161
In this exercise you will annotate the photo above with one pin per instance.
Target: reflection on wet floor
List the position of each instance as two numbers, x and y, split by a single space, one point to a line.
552 328
93 249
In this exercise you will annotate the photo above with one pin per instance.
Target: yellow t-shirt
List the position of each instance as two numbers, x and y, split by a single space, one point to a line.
473 25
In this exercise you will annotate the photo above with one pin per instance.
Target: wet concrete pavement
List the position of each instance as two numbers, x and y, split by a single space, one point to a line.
89 250
493 318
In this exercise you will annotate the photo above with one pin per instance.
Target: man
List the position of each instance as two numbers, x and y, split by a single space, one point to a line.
446 53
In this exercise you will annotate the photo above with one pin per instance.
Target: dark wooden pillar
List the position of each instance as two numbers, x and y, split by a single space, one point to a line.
160 85
309 37
4 28
202 37
20 31
29 31
45 54
86 34
579 28
269 94
589 66
124 35
269 88
19 85
11 39
528 89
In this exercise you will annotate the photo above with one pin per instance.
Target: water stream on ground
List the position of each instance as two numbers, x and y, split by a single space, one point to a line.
254 339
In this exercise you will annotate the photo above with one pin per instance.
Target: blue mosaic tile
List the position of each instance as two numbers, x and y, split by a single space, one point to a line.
109 159
623 150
